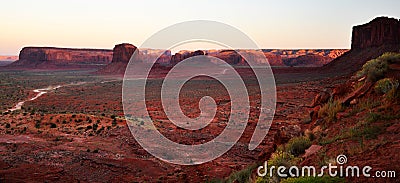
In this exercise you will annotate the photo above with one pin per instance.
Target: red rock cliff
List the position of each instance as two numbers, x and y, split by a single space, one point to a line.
96 56
53 57
369 41
380 31
123 52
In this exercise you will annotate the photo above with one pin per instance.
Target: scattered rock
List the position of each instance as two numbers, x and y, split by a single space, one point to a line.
321 98
353 102
287 132
341 115
314 113
357 93
312 150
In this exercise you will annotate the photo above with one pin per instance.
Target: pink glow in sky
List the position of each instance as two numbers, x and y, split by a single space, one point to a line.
102 24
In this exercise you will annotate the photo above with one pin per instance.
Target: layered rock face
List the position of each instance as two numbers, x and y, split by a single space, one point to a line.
49 56
380 31
230 56
182 55
90 56
307 60
309 57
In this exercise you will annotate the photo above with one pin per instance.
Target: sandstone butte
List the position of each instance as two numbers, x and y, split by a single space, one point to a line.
369 41
43 57
59 58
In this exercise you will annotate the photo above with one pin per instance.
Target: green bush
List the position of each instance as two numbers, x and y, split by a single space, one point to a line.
376 69
324 179
390 57
95 127
298 145
330 110
279 158
242 175
383 86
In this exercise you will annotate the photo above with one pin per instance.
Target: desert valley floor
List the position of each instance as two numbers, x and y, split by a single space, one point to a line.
77 132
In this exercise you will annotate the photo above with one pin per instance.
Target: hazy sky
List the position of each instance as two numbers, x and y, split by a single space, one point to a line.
102 24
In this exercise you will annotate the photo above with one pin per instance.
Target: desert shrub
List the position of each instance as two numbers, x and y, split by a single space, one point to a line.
53 125
364 132
37 124
374 69
95 127
100 130
298 145
279 158
330 110
365 103
242 175
324 179
373 117
393 95
8 125
114 122
390 57
383 86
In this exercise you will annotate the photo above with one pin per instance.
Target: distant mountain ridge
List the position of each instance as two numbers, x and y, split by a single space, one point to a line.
8 57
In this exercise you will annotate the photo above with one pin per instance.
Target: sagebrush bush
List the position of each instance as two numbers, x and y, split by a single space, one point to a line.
324 179
242 175
330 110
298 145
376 69
383 86
281 158
390 57
278 158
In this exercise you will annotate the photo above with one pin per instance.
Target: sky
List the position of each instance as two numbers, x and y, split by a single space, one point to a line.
284 24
